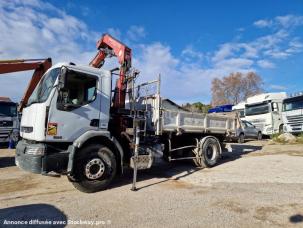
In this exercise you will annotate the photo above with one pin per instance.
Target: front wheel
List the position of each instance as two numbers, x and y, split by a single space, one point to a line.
241 138
95 168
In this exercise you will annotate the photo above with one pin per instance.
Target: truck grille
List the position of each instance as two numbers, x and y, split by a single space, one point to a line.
6 123
4 133
295 122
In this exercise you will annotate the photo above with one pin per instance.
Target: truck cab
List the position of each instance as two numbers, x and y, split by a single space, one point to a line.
9 121
62 111
221 108
265 112
292 113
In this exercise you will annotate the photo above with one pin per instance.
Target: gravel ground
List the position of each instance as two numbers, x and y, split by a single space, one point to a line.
256 185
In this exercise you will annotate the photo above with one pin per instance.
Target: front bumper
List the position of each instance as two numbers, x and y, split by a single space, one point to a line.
41 164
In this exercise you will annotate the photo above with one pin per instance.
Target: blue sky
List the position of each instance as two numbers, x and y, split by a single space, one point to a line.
188 42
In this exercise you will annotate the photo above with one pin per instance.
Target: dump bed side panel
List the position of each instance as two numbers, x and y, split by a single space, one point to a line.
198 122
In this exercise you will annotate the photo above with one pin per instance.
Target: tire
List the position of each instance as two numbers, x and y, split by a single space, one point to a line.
259 136
210 154
241 138
95 168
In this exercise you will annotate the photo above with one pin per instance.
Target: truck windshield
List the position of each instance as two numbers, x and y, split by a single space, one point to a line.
292 105
43 89
256 109
8 109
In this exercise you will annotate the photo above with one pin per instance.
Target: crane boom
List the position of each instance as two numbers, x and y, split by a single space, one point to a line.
39 65
108 47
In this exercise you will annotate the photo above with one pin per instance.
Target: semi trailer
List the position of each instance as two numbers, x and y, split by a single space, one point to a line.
77 124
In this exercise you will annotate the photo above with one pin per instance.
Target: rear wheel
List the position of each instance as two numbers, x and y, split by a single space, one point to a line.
241 138
95 168
209 154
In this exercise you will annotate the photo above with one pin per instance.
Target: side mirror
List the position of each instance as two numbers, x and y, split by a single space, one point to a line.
274 107
62 78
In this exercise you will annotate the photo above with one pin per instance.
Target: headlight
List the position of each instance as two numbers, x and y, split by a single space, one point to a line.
35 150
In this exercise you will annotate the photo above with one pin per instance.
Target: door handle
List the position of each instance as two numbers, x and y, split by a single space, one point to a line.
94 123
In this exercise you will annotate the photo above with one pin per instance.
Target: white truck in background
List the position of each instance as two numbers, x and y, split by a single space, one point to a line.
292 113
9 121
265 112
240 107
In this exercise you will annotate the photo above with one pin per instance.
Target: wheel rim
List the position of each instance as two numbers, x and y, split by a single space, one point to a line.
211 151
94 169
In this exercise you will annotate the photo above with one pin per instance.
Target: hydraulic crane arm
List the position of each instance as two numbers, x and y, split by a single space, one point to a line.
39 65
108 47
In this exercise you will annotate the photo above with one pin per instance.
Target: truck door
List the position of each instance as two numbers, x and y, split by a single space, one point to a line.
75 109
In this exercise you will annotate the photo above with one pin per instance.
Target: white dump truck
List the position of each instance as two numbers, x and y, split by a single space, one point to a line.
9 121
265 112
292 113
69 127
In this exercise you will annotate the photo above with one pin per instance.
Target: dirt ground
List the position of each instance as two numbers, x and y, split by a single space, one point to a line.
255 185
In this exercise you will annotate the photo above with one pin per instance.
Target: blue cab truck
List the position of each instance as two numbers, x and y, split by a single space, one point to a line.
221 108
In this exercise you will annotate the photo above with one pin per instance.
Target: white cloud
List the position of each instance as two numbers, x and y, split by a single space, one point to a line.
285 21
266 64
182 80
114 32
289 20
33 29
250 51
226 50
136 32
28 31
190 54
240 63
276 54
278 87
263 23
295 46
